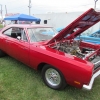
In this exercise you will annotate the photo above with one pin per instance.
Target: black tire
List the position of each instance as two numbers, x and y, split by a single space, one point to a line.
2 54
53 78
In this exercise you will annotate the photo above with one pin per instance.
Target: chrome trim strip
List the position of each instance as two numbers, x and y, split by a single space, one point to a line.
89 87
96 62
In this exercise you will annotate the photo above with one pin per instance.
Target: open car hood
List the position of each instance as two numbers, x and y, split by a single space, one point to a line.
82 23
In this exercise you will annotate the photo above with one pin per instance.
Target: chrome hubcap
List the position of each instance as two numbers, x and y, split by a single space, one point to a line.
52 77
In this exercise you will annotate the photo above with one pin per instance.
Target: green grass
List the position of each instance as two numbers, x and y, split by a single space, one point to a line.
19 82
1 26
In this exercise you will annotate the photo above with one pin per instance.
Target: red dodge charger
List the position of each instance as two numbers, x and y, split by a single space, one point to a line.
61 58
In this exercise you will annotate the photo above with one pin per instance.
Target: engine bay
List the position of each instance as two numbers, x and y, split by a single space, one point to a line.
74 48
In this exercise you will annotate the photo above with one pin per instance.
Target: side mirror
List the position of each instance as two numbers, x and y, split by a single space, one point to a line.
18 37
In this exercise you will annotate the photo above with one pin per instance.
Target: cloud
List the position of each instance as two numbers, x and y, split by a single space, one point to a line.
42 6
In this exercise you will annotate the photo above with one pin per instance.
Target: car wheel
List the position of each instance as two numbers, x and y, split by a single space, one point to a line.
53 78
2 53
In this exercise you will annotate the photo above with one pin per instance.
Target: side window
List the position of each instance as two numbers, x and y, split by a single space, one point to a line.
8 32
23 36
14 32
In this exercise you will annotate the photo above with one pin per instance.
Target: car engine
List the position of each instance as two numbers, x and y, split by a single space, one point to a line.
73 47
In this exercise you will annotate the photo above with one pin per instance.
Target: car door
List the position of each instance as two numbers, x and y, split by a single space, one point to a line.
16 48
5 41
23 48
10 42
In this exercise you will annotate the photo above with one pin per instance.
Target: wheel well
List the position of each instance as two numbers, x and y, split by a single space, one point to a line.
40 66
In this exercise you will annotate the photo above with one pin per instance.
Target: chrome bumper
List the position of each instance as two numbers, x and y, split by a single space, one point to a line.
89 87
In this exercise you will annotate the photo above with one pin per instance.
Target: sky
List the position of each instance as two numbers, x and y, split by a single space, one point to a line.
47 6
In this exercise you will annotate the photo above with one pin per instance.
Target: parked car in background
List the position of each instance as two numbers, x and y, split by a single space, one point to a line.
92 38
61 58
59 29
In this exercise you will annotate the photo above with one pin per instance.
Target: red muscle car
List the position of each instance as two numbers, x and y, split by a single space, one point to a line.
61 59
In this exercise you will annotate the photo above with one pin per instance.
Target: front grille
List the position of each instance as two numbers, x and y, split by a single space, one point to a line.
96 62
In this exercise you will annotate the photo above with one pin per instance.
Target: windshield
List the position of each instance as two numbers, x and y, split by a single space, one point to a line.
41 34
